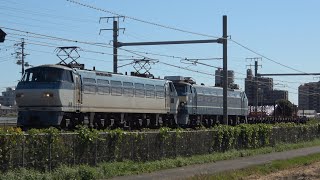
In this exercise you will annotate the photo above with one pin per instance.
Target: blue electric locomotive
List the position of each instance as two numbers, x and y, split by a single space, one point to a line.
62 96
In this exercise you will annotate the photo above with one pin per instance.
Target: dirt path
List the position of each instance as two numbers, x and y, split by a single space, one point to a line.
211 168
307 172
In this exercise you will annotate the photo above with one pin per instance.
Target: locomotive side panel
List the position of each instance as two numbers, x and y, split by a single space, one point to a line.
123 94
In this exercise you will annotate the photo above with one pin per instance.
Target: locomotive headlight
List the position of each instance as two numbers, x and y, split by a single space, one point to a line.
182 104
47 95
19 95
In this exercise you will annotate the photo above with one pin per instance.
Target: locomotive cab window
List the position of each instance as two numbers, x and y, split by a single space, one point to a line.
47 74
181 89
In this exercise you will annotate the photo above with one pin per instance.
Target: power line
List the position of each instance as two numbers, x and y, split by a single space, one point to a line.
171 56
47 52
5 60
186 68
265 57
173 65
46 44
15 10
59 38
180 30
164 26
177 29
3 47
140 20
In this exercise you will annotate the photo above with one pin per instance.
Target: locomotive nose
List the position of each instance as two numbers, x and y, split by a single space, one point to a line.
37 97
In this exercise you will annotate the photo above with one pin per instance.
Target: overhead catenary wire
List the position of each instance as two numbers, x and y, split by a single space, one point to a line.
15 10
40 43
180 30
177 29
59 38
99 52
265 57
160 62
47 52
176 66
139 20
168 27
181 58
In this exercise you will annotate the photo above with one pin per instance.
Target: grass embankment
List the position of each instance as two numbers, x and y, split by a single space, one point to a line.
112 169
265 169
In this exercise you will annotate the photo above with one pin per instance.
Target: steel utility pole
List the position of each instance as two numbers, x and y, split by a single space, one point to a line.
115 47
256 80
225 69
257 83
115 30
20 55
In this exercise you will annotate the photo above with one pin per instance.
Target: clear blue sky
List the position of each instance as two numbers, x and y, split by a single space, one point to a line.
284 31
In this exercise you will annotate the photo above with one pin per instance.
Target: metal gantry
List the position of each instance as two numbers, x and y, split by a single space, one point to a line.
222 41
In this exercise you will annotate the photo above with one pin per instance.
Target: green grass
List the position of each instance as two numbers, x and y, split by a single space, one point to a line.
112 169
313 121
265 169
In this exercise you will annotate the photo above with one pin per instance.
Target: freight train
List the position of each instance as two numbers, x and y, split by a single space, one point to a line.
64 97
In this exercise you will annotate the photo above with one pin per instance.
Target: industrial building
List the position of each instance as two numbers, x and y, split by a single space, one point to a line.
309 96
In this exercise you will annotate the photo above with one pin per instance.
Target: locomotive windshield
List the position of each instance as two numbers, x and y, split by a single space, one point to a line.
47 74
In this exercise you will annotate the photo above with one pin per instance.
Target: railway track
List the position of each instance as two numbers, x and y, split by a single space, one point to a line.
4 125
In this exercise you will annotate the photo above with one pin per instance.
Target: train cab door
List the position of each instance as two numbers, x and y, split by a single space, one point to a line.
193 100
77 94
174 99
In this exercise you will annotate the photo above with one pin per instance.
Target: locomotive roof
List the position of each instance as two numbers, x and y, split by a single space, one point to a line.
119 77
218 90
207 88
53 66
102 74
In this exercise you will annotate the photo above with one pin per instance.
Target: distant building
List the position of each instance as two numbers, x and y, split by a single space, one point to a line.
309 96
260 89
219 79
8 97
7 110
279 94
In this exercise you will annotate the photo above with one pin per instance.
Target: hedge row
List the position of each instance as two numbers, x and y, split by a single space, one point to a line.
48 149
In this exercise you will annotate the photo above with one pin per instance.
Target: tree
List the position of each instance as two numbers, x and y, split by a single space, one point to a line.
2 35
284 108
